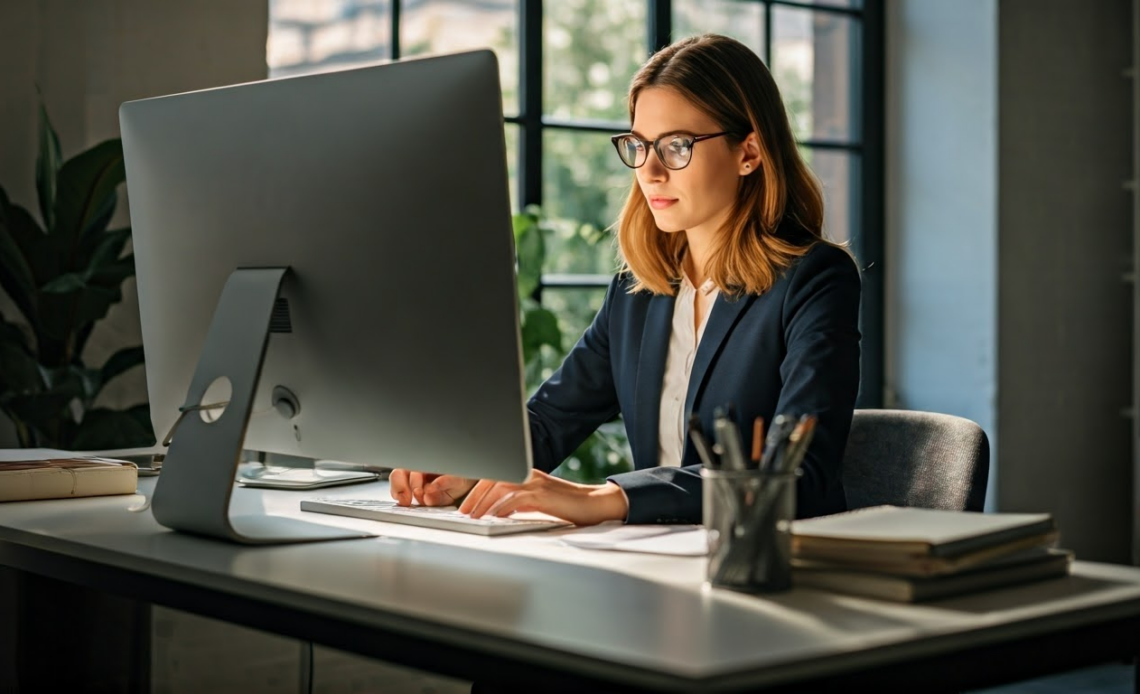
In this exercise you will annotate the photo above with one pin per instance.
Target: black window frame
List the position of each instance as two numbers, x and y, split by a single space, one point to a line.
867 244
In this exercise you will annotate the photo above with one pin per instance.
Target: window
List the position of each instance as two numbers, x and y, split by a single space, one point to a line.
566 65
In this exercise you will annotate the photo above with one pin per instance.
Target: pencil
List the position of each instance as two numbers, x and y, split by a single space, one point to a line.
757 440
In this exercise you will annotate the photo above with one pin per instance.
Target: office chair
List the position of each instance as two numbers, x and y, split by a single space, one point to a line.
923 459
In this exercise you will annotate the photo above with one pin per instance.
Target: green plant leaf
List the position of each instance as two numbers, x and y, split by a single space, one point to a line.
522 221
103 428
48 161
16 276
107 247
530 251
94 303
84 184
64 380
42 412
123 360
111 275
82 334
32 241
539 327
66 284
55 331
141 414
91 380
98 222
19 372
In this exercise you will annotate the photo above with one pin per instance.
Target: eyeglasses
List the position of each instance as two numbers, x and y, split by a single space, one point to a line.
674 150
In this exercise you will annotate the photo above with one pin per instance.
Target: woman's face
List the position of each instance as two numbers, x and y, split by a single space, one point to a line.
697 198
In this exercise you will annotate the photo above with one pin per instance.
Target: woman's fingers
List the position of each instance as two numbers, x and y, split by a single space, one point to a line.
416 482
475 495
446 490
483 495
491 498
407 486
518 500
400 487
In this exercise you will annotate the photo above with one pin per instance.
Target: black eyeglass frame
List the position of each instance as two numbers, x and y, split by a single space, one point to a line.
656 144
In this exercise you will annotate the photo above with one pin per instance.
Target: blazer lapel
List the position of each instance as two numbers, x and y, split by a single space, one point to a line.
651 372
725 313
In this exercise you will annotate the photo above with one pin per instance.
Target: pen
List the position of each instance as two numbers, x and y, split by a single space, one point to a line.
800 440
704 450
774 445
728 436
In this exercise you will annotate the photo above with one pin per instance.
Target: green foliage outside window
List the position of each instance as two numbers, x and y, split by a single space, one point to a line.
544 342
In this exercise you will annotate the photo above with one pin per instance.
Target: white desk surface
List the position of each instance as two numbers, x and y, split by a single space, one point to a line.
529 596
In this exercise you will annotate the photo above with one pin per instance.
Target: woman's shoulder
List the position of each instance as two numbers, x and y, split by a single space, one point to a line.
815 252
824 253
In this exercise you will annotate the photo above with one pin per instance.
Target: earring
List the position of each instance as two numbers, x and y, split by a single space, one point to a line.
747 167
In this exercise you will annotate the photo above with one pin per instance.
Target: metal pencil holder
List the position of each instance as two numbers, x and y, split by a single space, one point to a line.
748 515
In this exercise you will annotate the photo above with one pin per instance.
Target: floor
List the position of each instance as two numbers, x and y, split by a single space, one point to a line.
1104 679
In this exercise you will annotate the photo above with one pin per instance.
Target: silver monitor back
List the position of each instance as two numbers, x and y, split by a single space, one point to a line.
385 191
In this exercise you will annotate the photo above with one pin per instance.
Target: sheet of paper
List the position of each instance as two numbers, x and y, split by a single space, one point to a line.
675 540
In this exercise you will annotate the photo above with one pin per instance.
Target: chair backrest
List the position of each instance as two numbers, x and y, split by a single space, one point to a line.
923 459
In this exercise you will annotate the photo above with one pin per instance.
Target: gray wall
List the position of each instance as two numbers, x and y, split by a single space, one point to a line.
88 57
1065 335
1009 135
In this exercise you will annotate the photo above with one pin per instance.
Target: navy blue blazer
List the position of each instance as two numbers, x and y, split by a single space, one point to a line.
792 350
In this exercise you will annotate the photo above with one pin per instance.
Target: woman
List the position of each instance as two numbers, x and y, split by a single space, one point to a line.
728 294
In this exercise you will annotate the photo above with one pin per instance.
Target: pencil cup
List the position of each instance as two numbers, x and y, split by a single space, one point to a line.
748 515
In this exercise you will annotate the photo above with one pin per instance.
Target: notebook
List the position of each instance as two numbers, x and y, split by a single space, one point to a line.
906 565
1020 567
893 533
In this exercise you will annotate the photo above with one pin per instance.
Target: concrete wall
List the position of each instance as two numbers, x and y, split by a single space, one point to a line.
1065 334
1009 134
87 58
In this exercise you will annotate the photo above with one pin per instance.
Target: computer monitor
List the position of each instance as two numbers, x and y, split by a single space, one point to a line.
378 199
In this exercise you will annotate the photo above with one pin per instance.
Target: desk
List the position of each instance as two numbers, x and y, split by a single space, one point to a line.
537 611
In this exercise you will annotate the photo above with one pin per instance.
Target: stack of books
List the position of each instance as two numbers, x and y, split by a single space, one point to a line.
28 474
915 554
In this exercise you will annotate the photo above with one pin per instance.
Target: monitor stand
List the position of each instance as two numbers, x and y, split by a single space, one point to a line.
197 480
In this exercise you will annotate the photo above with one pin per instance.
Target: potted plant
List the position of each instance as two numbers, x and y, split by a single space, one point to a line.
63 273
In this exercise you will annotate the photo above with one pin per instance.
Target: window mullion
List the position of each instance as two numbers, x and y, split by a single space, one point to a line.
660 28
768 35
530 106
394 31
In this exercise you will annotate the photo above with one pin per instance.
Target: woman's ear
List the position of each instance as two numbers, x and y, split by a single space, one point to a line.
749 154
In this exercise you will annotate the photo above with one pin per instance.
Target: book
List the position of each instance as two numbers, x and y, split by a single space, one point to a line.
64 477
907 565
893 533
1021 567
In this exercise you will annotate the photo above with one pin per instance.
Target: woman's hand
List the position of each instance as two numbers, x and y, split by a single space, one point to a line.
428 489
581 504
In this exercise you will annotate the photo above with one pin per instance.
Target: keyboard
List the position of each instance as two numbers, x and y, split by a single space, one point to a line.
438 517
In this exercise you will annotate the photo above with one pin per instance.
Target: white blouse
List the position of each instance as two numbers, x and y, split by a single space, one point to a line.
683 342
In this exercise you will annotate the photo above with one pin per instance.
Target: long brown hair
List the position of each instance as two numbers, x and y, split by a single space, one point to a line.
726 80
